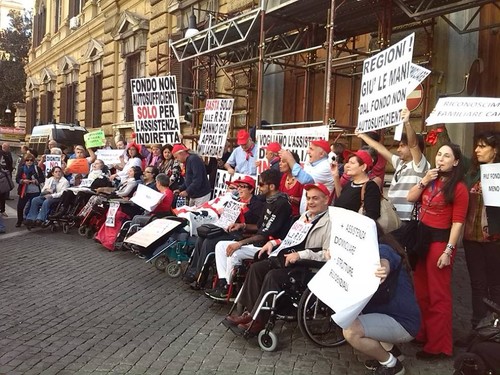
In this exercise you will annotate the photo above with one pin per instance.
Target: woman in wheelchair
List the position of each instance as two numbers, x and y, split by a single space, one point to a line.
391 316
310 231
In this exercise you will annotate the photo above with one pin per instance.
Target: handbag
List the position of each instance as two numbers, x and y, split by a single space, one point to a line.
6 183
389 219
488 329
210 231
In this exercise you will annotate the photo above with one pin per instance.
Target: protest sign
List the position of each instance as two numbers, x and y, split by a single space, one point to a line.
296 140
111 214
94 139
152 231
384 86
417 75
110 157
77 166
215 127
221 180
347 281
230 213
465 110
156 112
52 161
146 197
490 184
295 236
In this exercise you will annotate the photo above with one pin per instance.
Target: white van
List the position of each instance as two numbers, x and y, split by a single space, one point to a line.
64 134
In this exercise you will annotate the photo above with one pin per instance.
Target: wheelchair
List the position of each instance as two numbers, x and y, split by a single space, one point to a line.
295 302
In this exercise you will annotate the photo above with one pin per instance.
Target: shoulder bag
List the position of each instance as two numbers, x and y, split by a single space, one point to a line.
389 219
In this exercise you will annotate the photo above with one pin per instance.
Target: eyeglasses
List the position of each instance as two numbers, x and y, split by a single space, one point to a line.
27 160
243 186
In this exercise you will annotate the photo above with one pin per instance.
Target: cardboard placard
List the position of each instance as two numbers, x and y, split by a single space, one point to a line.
215 127
94 139
80 166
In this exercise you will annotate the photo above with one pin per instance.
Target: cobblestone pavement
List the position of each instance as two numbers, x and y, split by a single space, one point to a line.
68 306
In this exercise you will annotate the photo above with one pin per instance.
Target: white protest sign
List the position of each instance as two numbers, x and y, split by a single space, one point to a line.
490 184
230 213
151 232
156 112
417 75
347 281
111 214
215 127
52 161
296 140
295 236
221 180
384 86
146 197
110 157
465 110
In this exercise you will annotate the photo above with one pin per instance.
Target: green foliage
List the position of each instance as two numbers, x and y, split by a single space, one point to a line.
15 43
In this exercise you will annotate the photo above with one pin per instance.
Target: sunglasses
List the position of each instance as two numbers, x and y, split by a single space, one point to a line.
243 186
27 160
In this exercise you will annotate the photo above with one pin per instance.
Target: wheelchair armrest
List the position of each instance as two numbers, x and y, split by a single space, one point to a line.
314 264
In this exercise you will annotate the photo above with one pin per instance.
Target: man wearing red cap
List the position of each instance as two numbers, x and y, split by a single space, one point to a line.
242 159
272 155
196 186
316 169
309 238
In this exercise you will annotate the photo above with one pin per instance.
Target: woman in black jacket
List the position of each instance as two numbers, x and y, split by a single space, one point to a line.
29 178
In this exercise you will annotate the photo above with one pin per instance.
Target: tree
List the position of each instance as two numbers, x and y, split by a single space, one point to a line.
15 43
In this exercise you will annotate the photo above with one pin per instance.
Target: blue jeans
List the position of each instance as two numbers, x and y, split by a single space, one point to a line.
2 225
40 208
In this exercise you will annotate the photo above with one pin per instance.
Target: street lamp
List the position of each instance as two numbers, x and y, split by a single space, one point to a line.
7 115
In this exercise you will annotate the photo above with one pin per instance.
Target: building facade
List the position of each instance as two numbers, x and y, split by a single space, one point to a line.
281 60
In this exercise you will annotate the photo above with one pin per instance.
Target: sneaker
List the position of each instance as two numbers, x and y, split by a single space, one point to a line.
373 364
396 370
219 294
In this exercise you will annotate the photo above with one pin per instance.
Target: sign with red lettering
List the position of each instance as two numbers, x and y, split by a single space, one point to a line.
215 127
156 110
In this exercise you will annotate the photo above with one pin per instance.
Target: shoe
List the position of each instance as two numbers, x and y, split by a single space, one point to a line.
38 223
373 364
430 356
195 286
141 256
236 320
252 328
4 214
396 370
28 224
219 294
188 278
465 341
45 224
18 225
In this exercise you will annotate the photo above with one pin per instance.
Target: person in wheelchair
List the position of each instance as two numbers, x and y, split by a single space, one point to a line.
245 226
392 315
274 223
309 238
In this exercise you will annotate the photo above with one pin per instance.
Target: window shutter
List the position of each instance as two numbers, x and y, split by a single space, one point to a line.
63 105
43 109
89 101
97 100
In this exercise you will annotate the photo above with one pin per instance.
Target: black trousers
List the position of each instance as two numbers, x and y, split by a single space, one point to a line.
21 204
483 263
203 247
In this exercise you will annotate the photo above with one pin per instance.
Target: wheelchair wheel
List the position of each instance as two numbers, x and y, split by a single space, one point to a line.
161 263
53 228
268 341
89 233
82 231
315 322
65 228
174 270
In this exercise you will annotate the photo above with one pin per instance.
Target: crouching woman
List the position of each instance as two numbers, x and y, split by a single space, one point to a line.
391 316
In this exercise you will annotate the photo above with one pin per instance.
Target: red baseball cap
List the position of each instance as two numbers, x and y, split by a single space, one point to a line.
244 180
318 186
178 147
324 145
242 137
273 147
364 156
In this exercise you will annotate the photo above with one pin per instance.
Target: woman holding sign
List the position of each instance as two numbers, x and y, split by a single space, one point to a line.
481 240
444 200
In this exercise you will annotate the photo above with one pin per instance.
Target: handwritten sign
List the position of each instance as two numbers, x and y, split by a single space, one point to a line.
230 213
295 236
94 139
52 161
152 231
384 86
221 180
296 140
215 127
156 110
109 157
78 166
465 110
146 197
490 184
347 281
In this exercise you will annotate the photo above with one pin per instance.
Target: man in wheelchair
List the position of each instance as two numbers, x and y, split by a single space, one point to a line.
310 231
